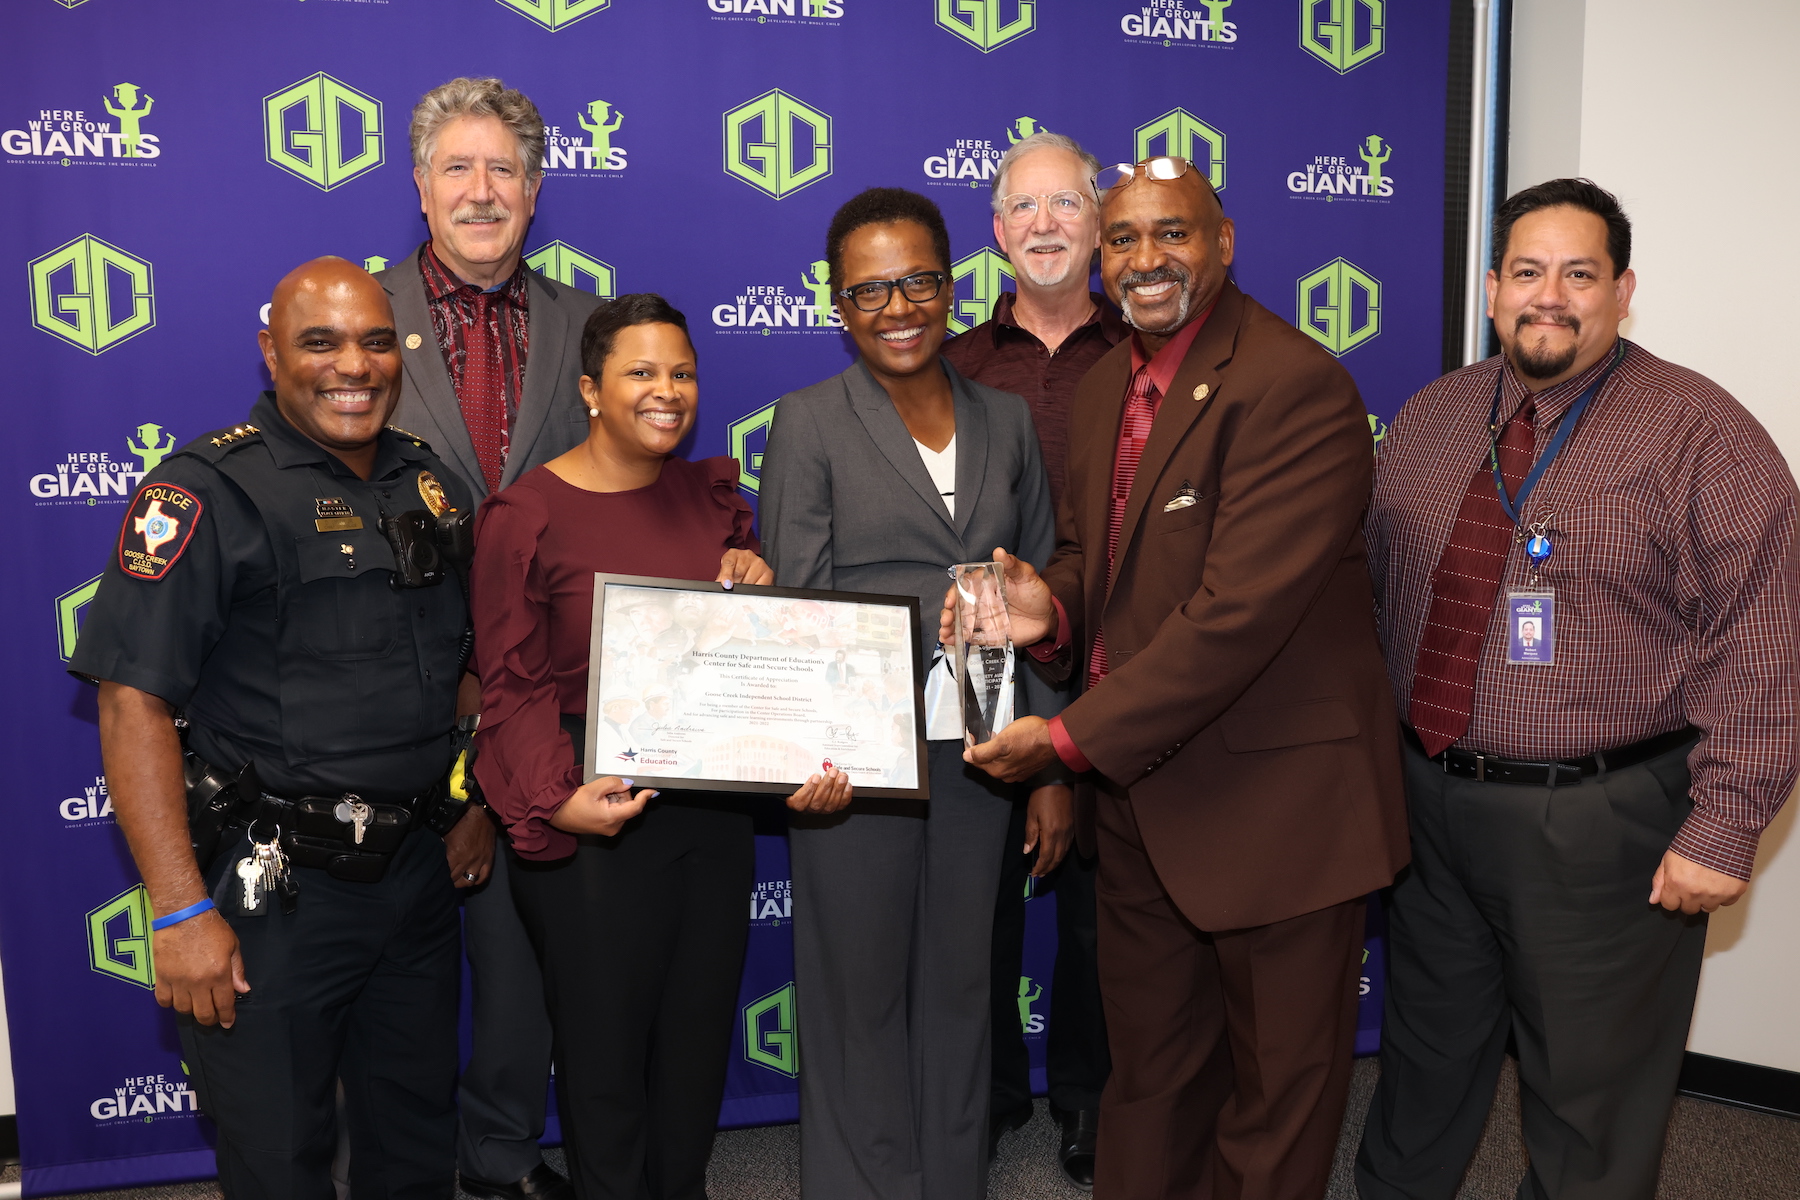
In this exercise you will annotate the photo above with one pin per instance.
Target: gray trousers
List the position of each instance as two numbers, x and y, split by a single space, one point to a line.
1526 911
501 1098
893 920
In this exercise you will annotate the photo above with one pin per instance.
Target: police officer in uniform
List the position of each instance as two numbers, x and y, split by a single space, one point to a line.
278 641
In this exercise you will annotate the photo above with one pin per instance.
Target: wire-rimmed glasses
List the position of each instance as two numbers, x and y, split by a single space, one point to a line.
1166 166
1018 208
875 294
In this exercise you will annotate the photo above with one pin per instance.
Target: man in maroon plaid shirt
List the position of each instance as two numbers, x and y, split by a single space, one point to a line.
1578 801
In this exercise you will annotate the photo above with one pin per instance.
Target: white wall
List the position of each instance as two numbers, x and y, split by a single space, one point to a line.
1686 111
7 1104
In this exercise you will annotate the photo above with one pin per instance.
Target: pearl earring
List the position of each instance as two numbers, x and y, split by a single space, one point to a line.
593 412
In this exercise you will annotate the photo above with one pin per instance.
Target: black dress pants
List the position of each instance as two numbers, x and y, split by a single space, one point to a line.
1526 911
361 983
500 1099
1076 1059
641 938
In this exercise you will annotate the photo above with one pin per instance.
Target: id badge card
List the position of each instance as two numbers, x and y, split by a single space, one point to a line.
1531 628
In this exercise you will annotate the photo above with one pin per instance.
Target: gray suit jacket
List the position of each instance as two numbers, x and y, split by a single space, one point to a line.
847 503
551 418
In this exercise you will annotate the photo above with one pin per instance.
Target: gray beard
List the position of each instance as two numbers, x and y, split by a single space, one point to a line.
1051 280
1181 311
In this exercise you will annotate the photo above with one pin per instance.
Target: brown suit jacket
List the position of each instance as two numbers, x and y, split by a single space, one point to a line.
1247 710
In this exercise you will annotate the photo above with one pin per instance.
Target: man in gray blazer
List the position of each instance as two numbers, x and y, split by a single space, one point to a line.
492 352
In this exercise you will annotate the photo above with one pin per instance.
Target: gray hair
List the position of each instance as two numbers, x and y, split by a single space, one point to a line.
1038 141
465 97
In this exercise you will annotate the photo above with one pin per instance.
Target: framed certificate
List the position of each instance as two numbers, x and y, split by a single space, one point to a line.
755 689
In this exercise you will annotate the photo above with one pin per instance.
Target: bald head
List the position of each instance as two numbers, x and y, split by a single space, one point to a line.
1165 245
334 357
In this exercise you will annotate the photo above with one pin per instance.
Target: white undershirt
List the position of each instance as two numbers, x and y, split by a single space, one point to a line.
943 712
941 466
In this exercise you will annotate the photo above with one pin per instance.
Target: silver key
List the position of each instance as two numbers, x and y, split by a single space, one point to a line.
250 870
353 811
269 863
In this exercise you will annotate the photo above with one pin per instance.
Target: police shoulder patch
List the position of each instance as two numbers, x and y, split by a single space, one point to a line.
157 529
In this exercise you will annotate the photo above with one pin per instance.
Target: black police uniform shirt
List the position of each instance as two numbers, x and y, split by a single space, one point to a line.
276 629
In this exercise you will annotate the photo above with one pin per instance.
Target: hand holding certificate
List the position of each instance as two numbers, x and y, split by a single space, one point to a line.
755 689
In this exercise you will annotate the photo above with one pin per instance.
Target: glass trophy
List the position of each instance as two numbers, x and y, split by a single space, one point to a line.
984 650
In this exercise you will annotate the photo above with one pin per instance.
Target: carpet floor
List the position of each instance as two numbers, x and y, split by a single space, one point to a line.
1714 1152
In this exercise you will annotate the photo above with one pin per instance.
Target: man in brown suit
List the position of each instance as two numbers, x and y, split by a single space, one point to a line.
1237 735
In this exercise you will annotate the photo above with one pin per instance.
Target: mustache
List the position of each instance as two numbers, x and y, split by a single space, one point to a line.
481 212
1566 320
1163 274
1049 243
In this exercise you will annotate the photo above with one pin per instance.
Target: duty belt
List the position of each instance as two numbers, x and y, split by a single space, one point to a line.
1489 768
345 836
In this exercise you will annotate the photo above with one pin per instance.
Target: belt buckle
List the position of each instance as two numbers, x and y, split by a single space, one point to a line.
1480 767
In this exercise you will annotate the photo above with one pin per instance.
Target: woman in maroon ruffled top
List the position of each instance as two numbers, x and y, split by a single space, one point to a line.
634 903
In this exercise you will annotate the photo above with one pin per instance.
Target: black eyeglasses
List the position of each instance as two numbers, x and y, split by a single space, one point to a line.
876 294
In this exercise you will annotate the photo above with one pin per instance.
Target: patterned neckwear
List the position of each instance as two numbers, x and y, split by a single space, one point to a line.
484 337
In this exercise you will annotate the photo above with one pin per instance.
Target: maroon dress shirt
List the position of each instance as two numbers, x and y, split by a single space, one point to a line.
1673 519
1002 354
537 547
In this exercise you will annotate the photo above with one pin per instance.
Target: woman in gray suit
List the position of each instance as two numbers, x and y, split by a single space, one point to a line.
877 480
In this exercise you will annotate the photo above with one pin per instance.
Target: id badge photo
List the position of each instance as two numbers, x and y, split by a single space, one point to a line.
1531 628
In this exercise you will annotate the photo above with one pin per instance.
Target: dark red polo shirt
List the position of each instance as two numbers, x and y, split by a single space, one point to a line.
1003 355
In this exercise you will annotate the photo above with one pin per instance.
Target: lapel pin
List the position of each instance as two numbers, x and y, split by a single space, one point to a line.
413 340
1201 392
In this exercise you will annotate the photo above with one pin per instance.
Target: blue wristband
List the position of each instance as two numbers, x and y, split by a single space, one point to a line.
182 914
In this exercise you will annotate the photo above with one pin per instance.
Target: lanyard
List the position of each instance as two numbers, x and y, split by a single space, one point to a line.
1516 505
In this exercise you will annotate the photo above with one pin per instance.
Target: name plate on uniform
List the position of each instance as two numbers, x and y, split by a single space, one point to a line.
755 689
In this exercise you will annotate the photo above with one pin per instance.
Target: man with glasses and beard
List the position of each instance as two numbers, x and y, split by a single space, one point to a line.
1039 343
1235 746
473 318
1577 809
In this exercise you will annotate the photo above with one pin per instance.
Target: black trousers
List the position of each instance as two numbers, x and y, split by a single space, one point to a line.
641 939
361 984
1076 1058
500 1100
1526 911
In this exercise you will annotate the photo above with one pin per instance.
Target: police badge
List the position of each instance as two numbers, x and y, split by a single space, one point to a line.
432 493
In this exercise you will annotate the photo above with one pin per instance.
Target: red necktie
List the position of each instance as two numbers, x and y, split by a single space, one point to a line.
482 395
1140 413
1462 593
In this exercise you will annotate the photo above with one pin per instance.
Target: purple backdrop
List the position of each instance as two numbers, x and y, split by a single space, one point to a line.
167 162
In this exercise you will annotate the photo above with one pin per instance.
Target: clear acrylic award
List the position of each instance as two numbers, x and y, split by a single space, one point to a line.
984 650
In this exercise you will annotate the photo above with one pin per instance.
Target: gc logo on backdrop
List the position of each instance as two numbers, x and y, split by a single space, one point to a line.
769 1039
323 131
70 608
1343 34
984 24
118 935
1339 306
573 268
777 143
978 279
74 289
555 15
1184 135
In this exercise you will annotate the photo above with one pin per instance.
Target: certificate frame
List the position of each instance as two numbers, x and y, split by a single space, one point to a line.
905 614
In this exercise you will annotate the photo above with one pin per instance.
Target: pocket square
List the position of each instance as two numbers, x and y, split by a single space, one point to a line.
1185 497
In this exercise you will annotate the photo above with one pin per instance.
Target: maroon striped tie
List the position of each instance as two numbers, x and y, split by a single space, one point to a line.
1462 593
1142 399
